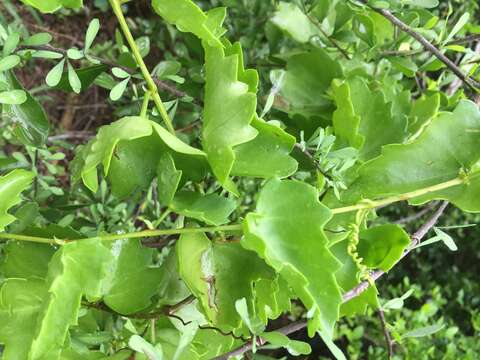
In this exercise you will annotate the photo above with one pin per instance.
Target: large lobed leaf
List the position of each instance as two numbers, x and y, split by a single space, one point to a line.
287 231
188 17
364 119
144 152
444 150
11 185
211 271
230 104
38 323
132 280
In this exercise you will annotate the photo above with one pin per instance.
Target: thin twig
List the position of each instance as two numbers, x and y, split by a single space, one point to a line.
418 215
386 333
471 83
72 135
466 39
349 295
332 41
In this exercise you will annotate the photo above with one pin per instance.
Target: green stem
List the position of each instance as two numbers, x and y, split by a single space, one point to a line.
35 239
146 100
133 235
117 9
369 204
366 204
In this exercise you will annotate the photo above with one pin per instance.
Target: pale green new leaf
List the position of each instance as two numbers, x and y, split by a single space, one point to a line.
92 32
11 185
188 17
293 21
55 75
13 97
444 150
49 6
230 104
132 279
9 62
287 231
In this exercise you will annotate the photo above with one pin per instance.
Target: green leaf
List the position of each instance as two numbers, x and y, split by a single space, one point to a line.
73 79
424 331
38 39
87 76
457 27
76 270
118 90
423 111
55 75
294 22
49 6
129 129
133 281
405 65
294 347
91 34
188 17
445 149
211 271
422 3
364 119
397 303
289 219
11 185
34 125
212 209
101 150
382 246
441 236
20 302
11 43
75 54
120 73
13 97
142 346
168 178
24 260
267 155
232 89
9 62
307 77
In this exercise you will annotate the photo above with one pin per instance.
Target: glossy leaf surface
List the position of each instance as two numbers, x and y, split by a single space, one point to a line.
11 186
289 219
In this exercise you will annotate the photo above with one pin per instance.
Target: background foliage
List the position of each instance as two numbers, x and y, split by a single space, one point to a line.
323 66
